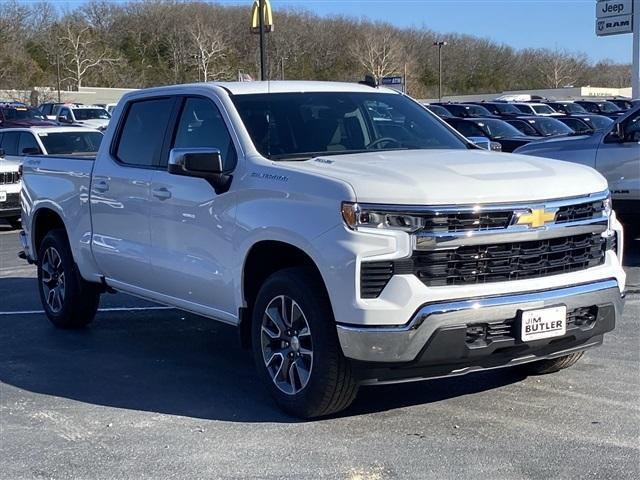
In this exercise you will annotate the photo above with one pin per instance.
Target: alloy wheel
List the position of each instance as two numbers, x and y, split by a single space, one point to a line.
53 279
287 348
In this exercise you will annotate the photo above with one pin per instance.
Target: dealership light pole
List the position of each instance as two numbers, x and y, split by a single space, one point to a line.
439 44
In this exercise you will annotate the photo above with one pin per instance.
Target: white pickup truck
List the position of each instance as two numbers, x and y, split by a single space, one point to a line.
350 235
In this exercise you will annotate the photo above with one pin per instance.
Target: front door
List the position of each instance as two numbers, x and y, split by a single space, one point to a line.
192 226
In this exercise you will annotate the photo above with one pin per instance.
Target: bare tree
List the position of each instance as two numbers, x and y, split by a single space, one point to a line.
561 68
81 53
210 50
378 51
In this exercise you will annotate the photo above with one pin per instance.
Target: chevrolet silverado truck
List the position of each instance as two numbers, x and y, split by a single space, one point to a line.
614 152
349 235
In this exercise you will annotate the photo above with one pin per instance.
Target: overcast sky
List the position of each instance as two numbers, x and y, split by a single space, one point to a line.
566 24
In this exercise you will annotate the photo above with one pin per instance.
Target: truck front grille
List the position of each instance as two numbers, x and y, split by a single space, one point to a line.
7 178
582 211
489 263
466 221
509 261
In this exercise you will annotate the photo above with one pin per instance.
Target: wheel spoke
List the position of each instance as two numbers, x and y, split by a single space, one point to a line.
287 346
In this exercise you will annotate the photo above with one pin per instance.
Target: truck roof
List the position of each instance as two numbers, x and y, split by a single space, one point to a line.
274 86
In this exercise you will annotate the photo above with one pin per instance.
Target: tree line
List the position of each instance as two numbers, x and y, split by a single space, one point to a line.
157 42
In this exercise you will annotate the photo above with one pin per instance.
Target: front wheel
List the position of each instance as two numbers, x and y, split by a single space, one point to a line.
69 301
296 347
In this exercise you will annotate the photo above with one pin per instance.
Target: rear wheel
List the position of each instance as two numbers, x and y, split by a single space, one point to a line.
553 365
296 347
68 300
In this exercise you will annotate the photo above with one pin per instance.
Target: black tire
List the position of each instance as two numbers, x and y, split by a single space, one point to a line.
553 365
77 299
15 223
330 386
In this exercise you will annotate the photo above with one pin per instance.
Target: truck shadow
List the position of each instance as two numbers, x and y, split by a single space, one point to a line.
172 363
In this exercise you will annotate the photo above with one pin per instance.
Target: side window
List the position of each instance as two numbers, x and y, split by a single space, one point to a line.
202 125
468 129
10 143
63 112
28 145
142 133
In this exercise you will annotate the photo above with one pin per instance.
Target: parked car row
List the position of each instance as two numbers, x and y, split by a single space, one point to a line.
600 133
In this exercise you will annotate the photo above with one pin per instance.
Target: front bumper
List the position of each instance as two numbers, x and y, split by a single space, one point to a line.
11 207
438 333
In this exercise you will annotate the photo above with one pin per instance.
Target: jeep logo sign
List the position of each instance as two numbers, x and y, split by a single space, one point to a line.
613 8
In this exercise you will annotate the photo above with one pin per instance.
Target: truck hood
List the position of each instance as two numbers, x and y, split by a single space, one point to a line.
95 123
7 165
563 143
439 177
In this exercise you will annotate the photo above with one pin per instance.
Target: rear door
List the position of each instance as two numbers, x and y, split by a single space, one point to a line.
191 225
120 193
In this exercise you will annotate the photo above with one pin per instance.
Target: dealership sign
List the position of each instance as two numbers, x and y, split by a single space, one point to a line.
614 17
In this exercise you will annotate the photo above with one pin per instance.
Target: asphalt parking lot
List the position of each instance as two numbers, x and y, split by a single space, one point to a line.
148 392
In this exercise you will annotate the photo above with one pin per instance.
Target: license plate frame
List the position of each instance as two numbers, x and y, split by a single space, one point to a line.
543 323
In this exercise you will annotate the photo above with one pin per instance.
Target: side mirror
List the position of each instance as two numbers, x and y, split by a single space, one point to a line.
31 151
200 162
64 119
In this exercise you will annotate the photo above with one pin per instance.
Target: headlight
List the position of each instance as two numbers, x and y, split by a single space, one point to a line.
355 216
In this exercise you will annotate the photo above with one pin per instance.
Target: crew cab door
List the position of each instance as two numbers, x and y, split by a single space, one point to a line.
192 225
619 160
120 193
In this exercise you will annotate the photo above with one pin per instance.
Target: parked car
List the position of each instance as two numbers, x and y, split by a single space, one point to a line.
601 107
543 126
16 115
614 152
465 110
530 108
500 109
494 129
586 123
348 249
9 190
80 141
50 109
623 104
567 107
85 115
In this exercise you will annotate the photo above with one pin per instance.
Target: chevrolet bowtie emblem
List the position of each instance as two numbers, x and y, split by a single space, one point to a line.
537 218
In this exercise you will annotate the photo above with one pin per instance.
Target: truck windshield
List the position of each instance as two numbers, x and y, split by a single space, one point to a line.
600 122
498 129
91 114
551 126
23 113
70 143
299 126
573 108
609 107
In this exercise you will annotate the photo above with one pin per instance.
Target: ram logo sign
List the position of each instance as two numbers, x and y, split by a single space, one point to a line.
614 25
